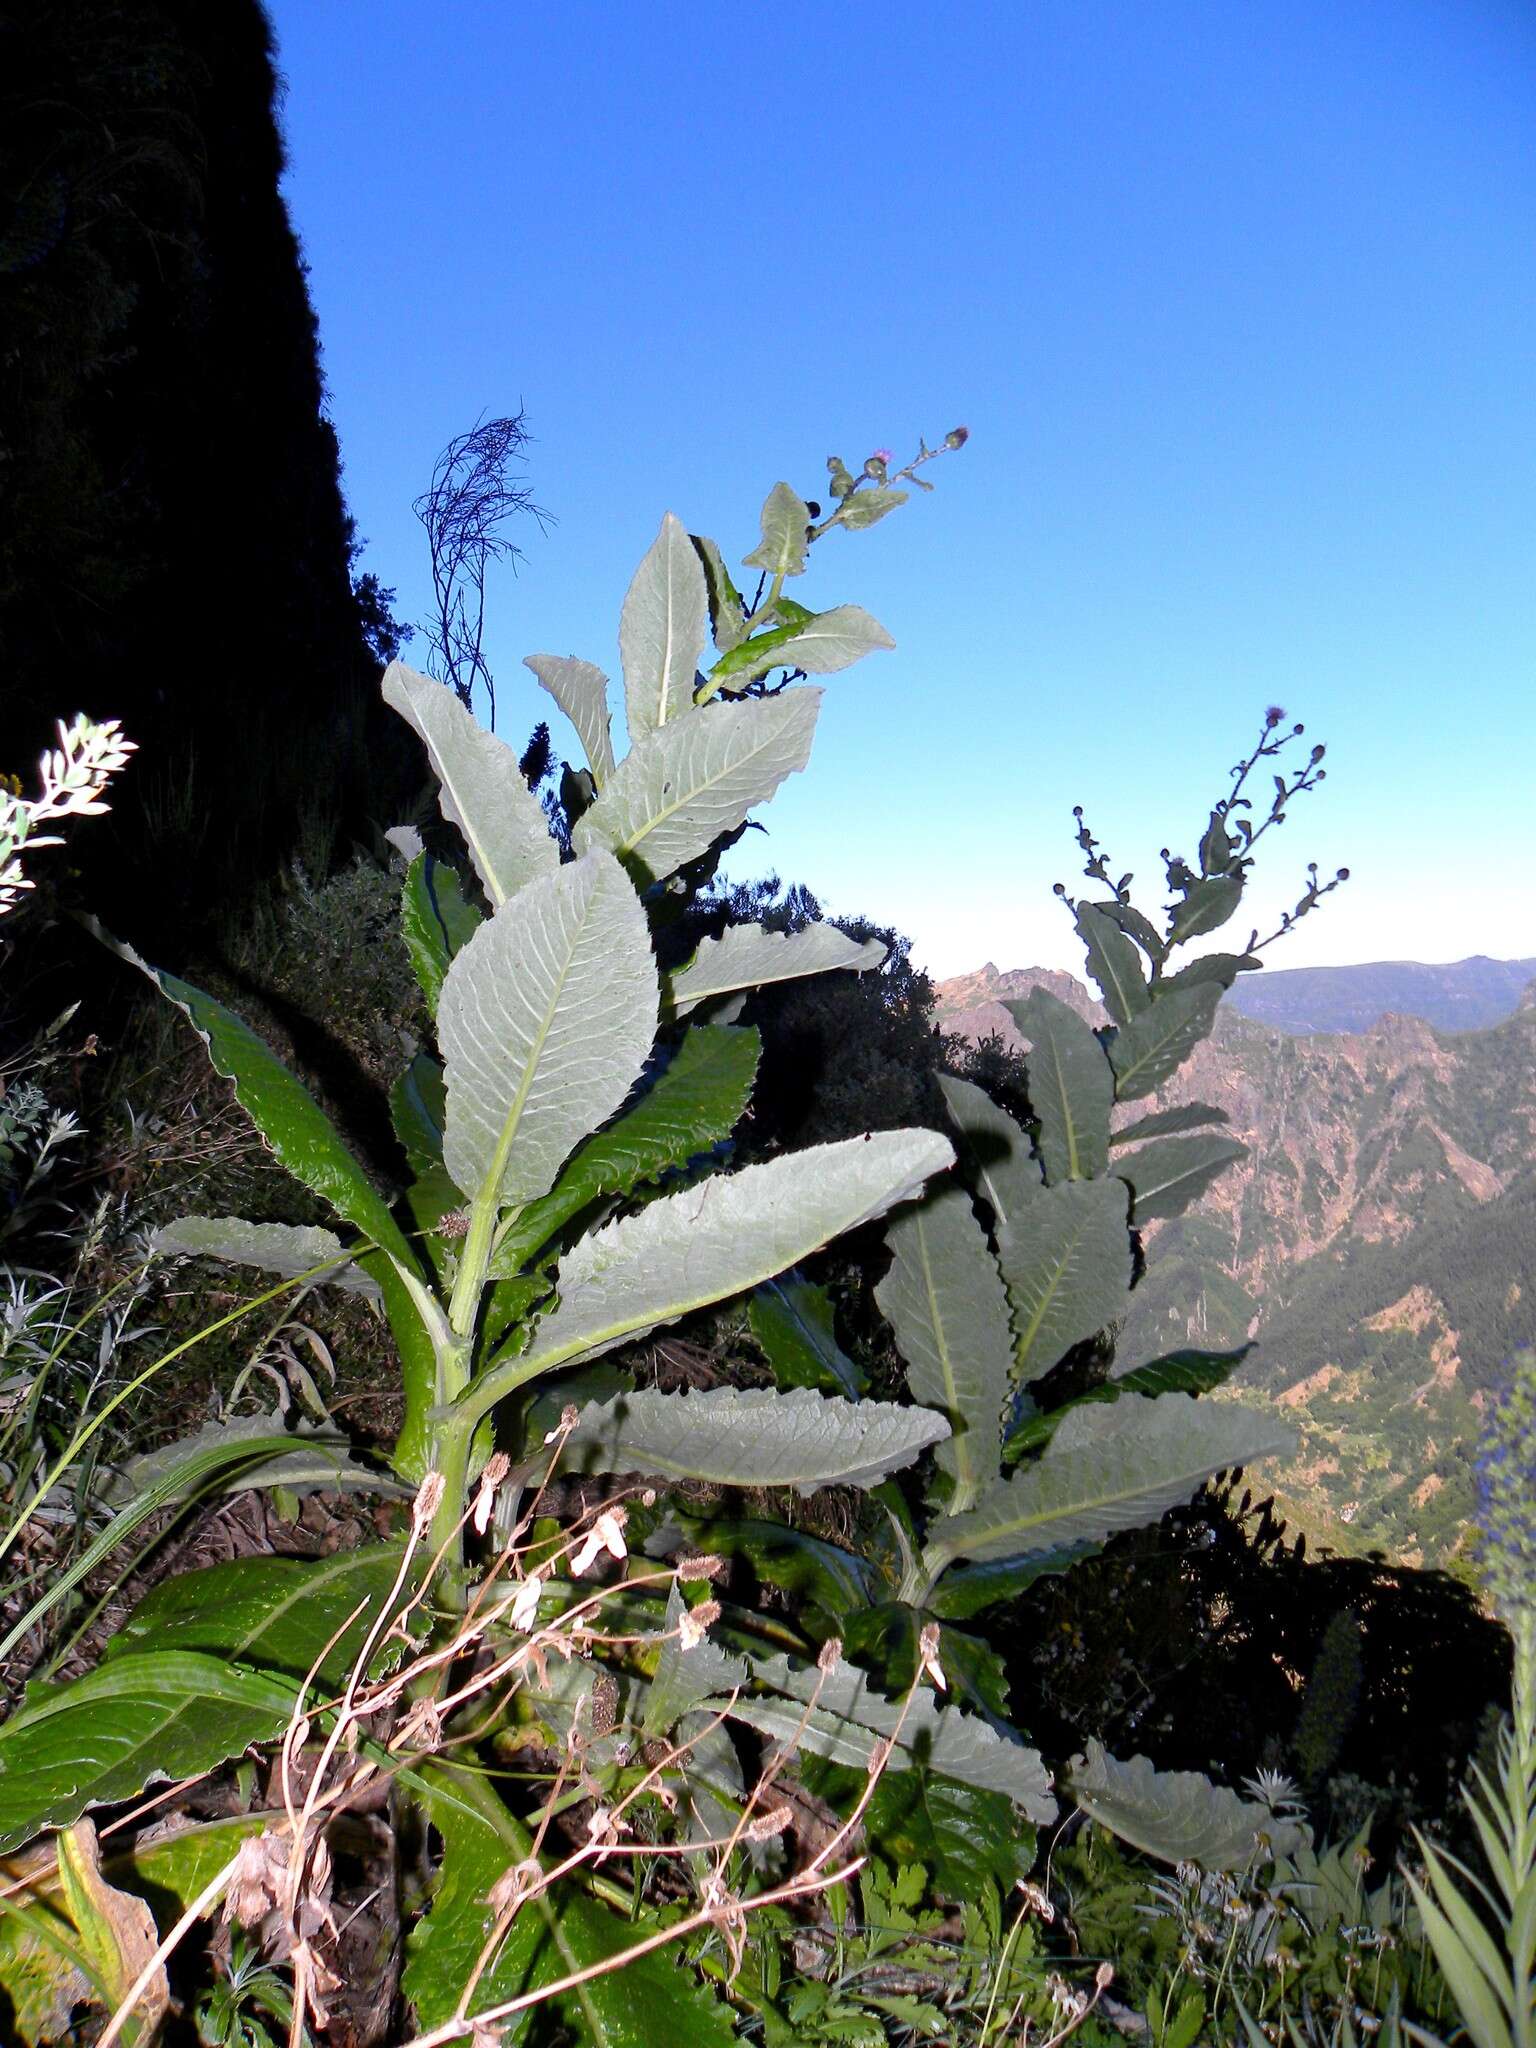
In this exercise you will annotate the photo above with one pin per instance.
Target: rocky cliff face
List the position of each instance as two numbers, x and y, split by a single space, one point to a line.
1378 1242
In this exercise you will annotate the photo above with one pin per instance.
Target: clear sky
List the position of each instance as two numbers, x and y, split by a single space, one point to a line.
1238 302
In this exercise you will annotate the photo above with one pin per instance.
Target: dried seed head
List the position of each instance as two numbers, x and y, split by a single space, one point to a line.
429 1499
695 1623
692 1567
829 1656
764 1826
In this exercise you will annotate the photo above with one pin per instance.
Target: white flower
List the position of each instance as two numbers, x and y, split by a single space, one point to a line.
928 1651
525 1605
606 1533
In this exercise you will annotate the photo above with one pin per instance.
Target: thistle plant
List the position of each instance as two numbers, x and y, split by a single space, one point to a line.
564 1199
1483 1928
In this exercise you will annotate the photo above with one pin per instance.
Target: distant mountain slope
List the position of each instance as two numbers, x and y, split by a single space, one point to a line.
1379 1241
1462 995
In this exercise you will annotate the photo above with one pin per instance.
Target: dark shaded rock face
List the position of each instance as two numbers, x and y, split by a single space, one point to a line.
174 548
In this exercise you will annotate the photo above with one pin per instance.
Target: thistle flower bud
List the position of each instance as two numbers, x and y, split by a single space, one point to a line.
957 437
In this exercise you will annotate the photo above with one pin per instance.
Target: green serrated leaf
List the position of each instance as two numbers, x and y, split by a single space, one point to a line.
418 1108
1071 1088
727 612
1114 963
545 1022
581 690
279 1614
481 787
1222 968
821 643
944 1300
694 1103
818 1573
1180 1372
662 630
1215 846
967 1590
622 2004
1163 1123
781 551
436 919
1135 926
968 1838
1152 1047
792 1322
995 1155
1207 906
1066 1264
1168 1175
752 1436
684 1677
680 789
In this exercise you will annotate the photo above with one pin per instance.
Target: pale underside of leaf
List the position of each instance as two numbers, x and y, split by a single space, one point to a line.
721 1238
756 1436
546 1019
482 790
581 690
1178 1816
851 1713
781 551
662 630
691 1106
944 1299
288 1249
1111 1467
683 787
748 956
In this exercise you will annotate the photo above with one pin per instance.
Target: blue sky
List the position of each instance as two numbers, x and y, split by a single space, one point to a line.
1238 302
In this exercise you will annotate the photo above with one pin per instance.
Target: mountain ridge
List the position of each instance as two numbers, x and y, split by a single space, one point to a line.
1453 995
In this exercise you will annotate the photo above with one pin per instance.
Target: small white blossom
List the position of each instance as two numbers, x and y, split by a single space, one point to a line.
606 1533
524 1611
